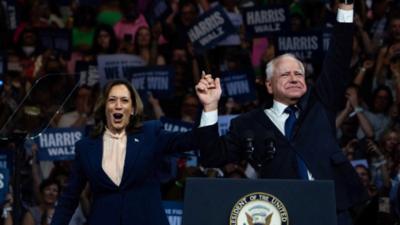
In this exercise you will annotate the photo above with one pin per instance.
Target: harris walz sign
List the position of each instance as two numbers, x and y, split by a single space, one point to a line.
262 21
209 29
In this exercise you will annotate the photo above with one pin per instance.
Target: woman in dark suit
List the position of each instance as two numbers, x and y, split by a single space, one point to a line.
119 161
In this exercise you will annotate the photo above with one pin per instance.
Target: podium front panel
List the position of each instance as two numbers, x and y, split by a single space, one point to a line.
213 201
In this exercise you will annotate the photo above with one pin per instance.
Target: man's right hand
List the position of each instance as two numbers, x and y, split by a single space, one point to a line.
209 92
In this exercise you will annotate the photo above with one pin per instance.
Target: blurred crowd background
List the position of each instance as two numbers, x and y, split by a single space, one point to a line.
368 125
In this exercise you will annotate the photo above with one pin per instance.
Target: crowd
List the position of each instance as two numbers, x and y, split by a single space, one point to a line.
368 126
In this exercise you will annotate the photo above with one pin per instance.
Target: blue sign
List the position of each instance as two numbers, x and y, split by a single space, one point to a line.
58 143
4 181
210 28
326 36
239 85
155 79
224 122
261 21
10 9
174 125
87 72
174 212
6 159
307 46
59 40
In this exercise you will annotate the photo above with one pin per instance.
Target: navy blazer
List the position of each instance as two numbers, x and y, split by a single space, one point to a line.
314 135
137 201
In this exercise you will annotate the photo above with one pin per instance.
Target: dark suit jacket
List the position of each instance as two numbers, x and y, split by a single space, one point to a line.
314 136
137 201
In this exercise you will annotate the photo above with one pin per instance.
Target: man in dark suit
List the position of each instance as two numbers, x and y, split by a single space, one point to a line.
301 123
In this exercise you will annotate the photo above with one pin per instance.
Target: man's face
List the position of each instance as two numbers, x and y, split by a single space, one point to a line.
287 83
118 108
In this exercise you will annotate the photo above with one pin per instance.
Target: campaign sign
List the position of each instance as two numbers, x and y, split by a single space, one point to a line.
155 79
58 143
4 180
239 85
87 72
357 162
174 125
261 21
224 121
11 17
306 46
210 28
326 36
114 66
59 40
174 212
6 159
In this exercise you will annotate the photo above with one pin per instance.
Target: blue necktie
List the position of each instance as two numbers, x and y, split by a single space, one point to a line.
289 125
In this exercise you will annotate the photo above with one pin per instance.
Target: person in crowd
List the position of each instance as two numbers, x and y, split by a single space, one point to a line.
132 20
378 112
382 75
82 115
352 117
301 122
119 161
105 41
83 29
146 47
42 213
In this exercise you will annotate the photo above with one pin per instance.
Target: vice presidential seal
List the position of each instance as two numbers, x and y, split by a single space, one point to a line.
259 208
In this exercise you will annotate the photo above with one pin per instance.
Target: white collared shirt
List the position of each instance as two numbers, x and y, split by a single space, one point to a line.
114 151
278 116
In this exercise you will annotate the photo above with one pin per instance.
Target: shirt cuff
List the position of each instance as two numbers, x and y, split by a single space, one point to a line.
345 16
208 118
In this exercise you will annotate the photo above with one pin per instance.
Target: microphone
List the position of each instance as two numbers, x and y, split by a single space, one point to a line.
249 146
257 159
270 149
249 142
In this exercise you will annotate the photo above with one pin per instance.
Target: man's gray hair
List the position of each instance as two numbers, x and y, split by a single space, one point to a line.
271 65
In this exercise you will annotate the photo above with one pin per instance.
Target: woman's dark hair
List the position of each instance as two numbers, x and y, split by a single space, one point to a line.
136 119
96 49
48 182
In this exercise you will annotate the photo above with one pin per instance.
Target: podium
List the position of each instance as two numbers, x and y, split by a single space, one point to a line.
212 201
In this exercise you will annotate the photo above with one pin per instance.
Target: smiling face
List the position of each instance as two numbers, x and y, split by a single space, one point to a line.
287 83
119 108
50 194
